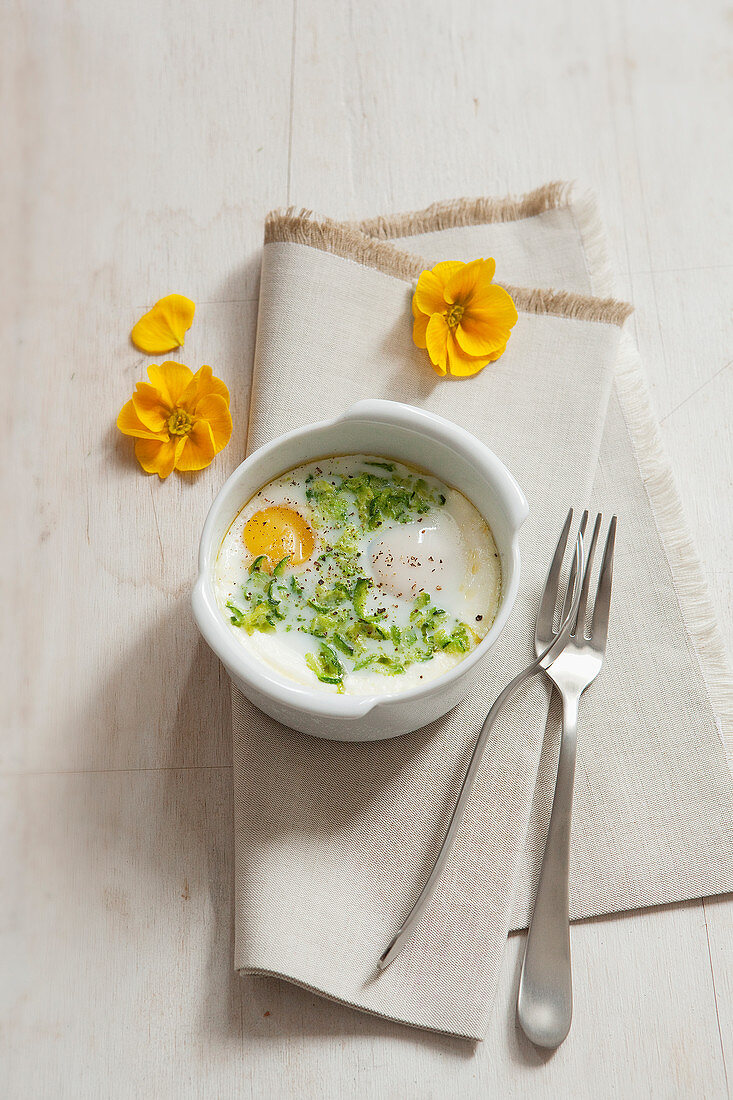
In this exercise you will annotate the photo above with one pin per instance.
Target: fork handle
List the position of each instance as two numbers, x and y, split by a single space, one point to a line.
545 1002
542 660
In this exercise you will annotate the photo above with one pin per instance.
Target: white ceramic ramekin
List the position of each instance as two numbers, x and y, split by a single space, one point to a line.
395 431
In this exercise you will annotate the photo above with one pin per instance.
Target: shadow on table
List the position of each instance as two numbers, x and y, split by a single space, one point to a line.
153 844
274 1010
150 844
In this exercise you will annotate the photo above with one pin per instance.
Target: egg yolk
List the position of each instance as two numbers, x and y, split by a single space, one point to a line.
279 532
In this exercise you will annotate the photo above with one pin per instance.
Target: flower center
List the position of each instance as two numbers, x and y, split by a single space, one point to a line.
453 316
179 422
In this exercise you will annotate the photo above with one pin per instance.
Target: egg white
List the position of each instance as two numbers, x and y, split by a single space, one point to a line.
450 554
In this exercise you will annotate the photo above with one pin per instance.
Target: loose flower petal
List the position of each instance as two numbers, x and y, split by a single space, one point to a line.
164 326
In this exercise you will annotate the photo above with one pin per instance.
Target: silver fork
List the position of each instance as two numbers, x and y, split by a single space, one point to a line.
543 659
545 1000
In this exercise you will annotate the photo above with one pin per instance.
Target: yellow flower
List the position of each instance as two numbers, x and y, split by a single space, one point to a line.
461 317
163 328
180 420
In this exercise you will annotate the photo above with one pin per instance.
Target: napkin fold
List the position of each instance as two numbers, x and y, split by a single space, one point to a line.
333 841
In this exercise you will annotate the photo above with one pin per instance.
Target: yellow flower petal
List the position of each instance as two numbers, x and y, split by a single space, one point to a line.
466 368
476 343
210 383
419 325
214 410
477 338
446 269
164 326
460 364
151 410
463 282
157 457
130 423
170 379
429 293
494 305
419 330
202 383
495 354
436 337
198 448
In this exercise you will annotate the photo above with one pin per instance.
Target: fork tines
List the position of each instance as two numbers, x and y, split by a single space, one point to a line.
548 604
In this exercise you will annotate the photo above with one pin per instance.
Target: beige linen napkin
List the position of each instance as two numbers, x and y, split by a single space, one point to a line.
333 841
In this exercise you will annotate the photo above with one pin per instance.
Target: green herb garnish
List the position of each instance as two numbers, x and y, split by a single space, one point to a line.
326 666
330 600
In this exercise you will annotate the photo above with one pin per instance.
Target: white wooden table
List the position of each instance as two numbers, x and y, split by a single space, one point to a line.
145 142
